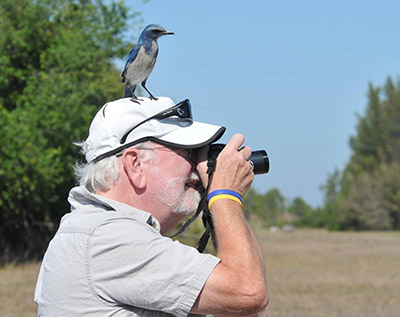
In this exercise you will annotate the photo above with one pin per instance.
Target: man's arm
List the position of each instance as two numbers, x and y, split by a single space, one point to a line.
237 285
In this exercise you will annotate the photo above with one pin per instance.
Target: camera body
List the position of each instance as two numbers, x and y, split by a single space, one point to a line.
259 158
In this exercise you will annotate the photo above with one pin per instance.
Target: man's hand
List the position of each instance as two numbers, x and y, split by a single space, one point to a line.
201 165
233 170
237 285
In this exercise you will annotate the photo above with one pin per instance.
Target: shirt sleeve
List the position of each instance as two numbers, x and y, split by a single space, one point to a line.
130 263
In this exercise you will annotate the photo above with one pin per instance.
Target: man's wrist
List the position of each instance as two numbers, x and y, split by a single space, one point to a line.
218 194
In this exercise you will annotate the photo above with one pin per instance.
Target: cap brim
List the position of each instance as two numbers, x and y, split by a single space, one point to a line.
196 135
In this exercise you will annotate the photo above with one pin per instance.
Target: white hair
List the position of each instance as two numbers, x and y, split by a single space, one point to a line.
100 176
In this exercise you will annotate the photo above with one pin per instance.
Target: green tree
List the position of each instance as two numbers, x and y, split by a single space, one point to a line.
373 201
367 143
391 115
56 60
251 203
299 207
306 216
332 190
362 208
389 175
370 185
378 132
267 207
275 204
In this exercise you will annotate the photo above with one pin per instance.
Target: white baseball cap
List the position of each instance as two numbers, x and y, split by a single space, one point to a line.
125 122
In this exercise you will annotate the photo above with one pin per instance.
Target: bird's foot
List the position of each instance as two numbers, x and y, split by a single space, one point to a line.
153 98
136 100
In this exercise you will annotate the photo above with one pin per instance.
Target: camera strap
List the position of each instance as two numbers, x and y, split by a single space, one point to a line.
206 216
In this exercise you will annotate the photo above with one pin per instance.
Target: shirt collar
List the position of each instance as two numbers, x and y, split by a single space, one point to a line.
81 196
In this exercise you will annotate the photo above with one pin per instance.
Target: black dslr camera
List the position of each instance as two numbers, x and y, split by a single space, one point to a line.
261 166
259 158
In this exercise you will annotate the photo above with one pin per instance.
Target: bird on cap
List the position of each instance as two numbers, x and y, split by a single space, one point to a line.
141 60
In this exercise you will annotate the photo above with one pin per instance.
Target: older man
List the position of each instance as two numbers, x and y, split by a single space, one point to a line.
110 255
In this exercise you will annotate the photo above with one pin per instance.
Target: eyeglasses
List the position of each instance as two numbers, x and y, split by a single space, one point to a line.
189 154
182 110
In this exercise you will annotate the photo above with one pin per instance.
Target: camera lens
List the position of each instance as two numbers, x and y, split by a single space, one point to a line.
260 161
259 158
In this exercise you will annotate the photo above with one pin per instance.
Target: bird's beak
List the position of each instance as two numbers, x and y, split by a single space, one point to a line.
166 32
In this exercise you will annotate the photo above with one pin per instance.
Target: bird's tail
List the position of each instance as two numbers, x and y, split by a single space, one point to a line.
129 91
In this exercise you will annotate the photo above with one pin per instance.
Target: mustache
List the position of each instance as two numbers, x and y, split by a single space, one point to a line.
193 177
189 181
195 182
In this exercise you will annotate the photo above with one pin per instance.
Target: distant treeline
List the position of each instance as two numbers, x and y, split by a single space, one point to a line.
366 194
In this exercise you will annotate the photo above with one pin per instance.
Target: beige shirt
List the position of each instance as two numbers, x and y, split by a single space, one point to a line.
106 259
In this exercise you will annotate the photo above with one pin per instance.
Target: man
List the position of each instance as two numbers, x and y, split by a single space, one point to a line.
110 255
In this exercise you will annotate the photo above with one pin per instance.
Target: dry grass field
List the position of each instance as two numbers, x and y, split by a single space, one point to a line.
320 273
17 285
310 273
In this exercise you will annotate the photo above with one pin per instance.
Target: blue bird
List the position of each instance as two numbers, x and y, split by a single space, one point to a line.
141 60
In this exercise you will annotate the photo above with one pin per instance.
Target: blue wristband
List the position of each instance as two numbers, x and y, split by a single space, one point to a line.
224 192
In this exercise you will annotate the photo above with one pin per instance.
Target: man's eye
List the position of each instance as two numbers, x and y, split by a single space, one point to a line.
185 153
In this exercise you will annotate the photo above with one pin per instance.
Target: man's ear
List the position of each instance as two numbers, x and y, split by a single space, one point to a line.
133 167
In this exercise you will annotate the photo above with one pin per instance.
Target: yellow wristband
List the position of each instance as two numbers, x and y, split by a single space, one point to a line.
223 196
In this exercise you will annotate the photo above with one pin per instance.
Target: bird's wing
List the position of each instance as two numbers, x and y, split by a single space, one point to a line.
131 57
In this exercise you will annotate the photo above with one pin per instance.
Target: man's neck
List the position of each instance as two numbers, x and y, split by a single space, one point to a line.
167 219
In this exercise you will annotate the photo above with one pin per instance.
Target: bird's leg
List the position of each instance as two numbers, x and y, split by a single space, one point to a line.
144 86
134 97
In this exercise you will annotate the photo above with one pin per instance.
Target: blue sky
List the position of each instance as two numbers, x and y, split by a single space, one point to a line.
289 75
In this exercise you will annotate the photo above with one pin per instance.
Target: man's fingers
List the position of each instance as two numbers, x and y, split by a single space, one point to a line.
246 152
235 142
201 165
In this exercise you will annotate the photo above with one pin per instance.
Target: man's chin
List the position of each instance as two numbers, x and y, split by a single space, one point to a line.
185 211
189 205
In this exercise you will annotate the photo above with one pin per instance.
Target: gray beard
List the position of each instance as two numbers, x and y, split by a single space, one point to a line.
179 203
